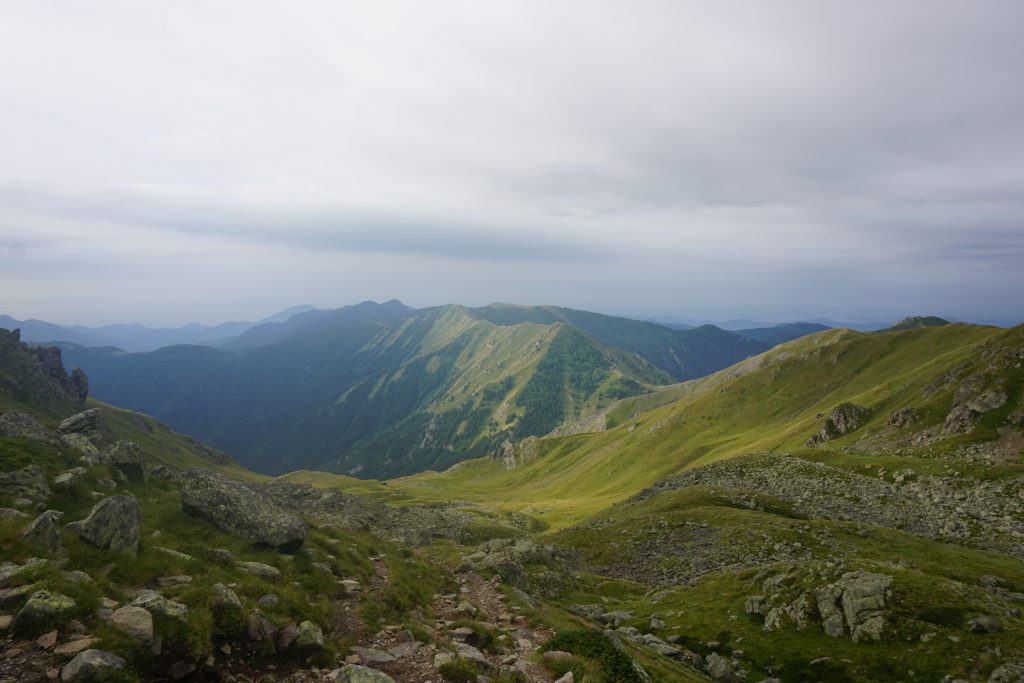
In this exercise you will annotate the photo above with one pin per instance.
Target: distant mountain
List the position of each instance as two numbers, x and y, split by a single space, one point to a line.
138 337
859 326
916 322
383 390
310 320
780 334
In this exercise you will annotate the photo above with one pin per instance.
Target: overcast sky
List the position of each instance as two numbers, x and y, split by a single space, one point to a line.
177 161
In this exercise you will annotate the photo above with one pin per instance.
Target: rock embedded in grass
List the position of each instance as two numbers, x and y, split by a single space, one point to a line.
113 524
240 510
44 609
44 532
92 665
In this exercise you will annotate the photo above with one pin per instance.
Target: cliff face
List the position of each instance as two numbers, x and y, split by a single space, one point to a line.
36 376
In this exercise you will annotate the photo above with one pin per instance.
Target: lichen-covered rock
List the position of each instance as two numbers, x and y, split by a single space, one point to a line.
128 457
44 532
239 510
92 666
157 605
27 482
43 611
353 673
309 637
844 418
112 525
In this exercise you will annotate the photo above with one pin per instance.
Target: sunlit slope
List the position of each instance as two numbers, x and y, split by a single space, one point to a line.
770 402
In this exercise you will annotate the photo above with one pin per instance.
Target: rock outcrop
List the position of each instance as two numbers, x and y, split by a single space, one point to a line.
28 482
973 398
126 456
113 524
853 605
35 376
240 510
844 418
44 532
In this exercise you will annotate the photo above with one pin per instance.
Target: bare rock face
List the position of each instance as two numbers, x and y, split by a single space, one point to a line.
35 375
240 510
853 605
113 524
843 419
972 399
904 417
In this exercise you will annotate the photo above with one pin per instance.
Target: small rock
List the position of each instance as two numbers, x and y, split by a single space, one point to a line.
73 647
268 600
984 624
264 571
47 641
174 581
92 665
353 673
310 637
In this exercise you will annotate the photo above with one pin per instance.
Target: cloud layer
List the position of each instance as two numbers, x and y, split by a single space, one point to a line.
192 160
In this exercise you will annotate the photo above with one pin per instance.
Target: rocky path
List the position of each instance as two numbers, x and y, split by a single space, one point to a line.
392 650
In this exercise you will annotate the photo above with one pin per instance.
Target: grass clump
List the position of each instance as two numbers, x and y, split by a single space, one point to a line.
458 670
612 663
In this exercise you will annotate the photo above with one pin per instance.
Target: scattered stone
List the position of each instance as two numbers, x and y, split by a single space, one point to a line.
223 556
11 513
170 552
264 571
556 656
369 655
73 647
47 641
461 634
14 597
112 525
350 586
136 622
474 657
240 510
92 665
79 577
567 678
286 637
720 669
310 637
616 618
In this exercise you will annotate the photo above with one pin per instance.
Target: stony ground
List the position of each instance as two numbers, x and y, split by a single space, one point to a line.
391 650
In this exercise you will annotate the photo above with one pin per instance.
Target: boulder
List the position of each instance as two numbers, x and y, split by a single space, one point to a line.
286 637
128 457
353 673
309 637
92 666
136 622
88 423
720 669
368 655
853 605
44 532
112 525
27 482
240 510
43 610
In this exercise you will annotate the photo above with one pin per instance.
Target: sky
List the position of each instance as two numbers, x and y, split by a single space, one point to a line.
184 161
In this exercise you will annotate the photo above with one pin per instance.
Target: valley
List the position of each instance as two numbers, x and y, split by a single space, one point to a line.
843 506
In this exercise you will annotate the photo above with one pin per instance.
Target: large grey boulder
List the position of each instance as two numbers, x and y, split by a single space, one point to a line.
44 532
27 482
43 611
92 666
126 456
85 431
112 525
240 510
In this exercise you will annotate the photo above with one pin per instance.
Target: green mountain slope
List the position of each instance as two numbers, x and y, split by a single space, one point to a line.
375 397
683 354
774 401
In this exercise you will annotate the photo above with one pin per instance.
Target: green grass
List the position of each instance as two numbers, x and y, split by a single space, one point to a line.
769 402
